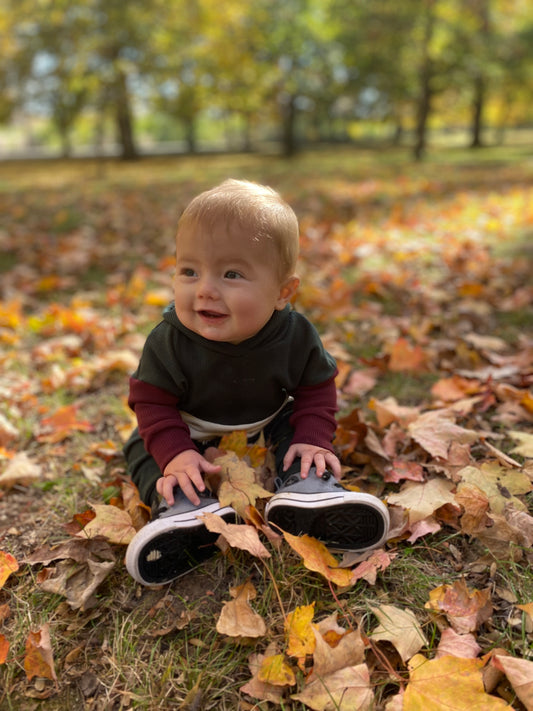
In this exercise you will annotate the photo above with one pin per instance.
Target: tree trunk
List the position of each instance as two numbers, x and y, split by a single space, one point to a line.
477 112
425 95
124 119
288 115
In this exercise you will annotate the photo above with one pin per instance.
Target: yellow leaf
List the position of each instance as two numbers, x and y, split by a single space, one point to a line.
316 557
237 442
239 488
275 670
422 499
448 683
237 535
344 690
299 633
525 448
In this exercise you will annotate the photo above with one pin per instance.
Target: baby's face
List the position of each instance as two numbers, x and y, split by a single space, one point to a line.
226 286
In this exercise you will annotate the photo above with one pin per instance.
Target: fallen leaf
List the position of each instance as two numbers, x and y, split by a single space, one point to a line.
465 609
39 658
349 651
62 424
422 499
8 431
457 645
4 649
260 689
377 560
388 411
237 535
500 484
8 565
405 357
525 448
238 442
344 690
401 628
448 683
435 431
237 619
275 670
110 522
299 633
20 470
399 470
316 557
520 674
239 488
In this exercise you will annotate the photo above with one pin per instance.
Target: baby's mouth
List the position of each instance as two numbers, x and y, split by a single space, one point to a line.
211 314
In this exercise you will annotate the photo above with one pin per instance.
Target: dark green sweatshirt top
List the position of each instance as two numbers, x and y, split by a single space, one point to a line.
187 387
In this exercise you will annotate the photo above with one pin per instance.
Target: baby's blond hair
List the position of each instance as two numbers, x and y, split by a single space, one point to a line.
256 208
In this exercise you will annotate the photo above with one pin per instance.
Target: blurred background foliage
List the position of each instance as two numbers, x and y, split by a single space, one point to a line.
109 76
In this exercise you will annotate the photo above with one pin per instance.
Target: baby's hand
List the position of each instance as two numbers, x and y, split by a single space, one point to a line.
311 455
185 471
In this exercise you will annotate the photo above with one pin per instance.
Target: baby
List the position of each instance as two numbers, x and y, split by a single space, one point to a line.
231 354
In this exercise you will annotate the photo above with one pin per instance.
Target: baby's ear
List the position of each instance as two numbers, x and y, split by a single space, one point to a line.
287 291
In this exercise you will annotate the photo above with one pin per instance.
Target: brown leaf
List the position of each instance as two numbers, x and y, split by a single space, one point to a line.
435 431
465 609
20 470
260 689
344 690
239 487
39 659
327 659
239 536
458 645
401 628
237 619
110 522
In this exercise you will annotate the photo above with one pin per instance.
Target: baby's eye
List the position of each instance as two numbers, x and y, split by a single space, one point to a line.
187 272
232 274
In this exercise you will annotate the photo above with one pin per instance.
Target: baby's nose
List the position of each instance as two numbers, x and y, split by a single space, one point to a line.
207 288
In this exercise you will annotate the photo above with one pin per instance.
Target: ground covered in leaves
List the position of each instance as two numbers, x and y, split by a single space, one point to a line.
419 279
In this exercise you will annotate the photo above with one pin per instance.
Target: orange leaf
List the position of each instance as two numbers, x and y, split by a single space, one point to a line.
39 660
61 424
405 357
8 565
4 649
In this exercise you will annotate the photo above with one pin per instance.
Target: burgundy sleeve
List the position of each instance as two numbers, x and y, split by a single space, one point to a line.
164 432
313 416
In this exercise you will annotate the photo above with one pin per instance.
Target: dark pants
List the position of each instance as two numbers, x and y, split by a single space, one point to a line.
144 471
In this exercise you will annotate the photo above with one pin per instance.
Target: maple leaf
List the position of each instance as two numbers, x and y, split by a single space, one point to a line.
237 442
275 670
8 565
8 431
476 505
62 424
239 488
435 431
4 649
348 651
401 628
400 469
21 469
369 568
39 658
421 500
260 689
77 583
316 557
405 357
465 610
237 619
520 674
449 682
389 411
457 645
500 484
299 633
114 524
525 448
237 535
343 690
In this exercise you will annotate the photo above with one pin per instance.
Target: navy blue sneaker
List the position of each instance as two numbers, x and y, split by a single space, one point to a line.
321 507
